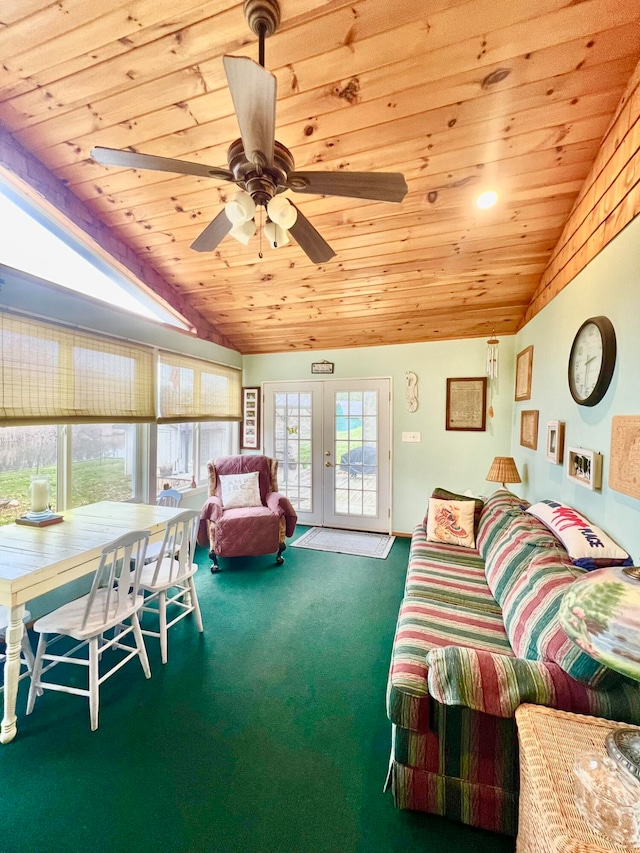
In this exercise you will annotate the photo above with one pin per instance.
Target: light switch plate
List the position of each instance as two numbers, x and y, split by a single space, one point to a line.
411 436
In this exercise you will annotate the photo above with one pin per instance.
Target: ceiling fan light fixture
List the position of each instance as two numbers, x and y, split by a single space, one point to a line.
276 235
282 212
244 231
240 209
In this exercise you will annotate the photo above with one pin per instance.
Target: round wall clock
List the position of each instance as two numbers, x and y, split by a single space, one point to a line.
592 359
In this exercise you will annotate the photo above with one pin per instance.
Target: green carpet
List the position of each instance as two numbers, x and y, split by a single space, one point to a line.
267 734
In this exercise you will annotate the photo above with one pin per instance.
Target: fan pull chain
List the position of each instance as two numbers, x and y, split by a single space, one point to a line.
260 237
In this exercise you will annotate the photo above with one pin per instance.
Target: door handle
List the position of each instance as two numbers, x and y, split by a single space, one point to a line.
327 453
328 464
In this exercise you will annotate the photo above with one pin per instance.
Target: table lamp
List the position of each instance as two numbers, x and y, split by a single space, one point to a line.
503 470
601 614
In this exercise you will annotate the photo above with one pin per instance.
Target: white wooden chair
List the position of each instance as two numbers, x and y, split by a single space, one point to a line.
113 603
26 652
167 497
168 581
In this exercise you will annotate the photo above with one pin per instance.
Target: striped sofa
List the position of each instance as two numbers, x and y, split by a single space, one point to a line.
478 635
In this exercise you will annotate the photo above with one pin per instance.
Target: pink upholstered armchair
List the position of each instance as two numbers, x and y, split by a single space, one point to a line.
241 530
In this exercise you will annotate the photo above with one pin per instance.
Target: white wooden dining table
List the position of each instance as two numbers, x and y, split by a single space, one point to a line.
36 560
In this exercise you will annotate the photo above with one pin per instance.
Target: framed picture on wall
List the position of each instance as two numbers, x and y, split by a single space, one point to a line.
584 467
529 429
250 432
555 442
467 404
524 368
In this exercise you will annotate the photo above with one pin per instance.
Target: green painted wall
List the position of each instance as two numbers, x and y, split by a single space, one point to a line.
609 285
456 460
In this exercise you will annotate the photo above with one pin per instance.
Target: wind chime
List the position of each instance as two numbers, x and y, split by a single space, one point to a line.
492 367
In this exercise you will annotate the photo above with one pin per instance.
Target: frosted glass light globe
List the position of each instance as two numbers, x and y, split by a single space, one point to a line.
244 232
240 209
276 235
282 212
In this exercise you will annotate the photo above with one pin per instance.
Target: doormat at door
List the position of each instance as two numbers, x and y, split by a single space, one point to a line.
352 542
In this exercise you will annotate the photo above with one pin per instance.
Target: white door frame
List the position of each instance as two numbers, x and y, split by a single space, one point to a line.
319 481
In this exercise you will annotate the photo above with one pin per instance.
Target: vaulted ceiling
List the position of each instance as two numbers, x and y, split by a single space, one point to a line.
459 96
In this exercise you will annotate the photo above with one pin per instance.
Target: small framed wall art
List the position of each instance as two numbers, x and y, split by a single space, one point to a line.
529 429
322 366
467 404
250 432
524 367
584 467
555 442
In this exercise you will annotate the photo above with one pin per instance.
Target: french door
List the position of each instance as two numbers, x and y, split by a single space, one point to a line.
332 440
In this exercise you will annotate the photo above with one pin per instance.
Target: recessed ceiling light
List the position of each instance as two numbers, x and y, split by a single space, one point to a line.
487 199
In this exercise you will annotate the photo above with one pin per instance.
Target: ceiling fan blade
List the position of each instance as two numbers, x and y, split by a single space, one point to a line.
213 234
379 186
132 160
253 90
310 241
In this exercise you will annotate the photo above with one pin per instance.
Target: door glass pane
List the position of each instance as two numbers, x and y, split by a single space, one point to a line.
293 448
103 463
356 450
25 451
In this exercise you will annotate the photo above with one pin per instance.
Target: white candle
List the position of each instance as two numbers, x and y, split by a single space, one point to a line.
39 495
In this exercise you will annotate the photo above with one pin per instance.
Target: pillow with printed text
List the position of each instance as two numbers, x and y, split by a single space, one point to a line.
240 490
588 546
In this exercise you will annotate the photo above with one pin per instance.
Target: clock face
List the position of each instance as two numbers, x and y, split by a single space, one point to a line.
587 360
592 360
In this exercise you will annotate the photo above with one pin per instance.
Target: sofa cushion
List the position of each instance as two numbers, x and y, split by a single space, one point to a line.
446 495
497 513
422 626
451 522
587 545
530 611
447 573
508 555
497 685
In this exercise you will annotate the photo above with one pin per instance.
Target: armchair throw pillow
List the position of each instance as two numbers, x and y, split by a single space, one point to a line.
240 490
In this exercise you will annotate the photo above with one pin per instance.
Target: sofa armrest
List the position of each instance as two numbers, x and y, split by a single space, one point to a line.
277 502
497 684
211 511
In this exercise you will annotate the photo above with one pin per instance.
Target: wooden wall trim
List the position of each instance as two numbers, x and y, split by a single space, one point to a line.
29 175
607 202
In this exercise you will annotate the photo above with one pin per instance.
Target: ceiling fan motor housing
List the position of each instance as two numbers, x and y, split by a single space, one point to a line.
264 182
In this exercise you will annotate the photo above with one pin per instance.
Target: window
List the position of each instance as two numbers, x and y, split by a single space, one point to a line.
185 448
64 260
25 451
103 463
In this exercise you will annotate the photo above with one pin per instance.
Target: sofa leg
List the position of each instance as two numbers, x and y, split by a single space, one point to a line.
215 568
279 557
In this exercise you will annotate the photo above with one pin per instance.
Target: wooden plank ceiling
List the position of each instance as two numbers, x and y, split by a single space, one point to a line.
459 96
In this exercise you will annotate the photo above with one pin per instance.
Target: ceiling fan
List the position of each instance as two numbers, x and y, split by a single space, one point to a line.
260 165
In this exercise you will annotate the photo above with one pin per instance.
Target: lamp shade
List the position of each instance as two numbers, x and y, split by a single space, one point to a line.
503 470
600 612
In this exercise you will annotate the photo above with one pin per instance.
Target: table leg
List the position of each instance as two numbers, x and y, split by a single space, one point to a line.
12 672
